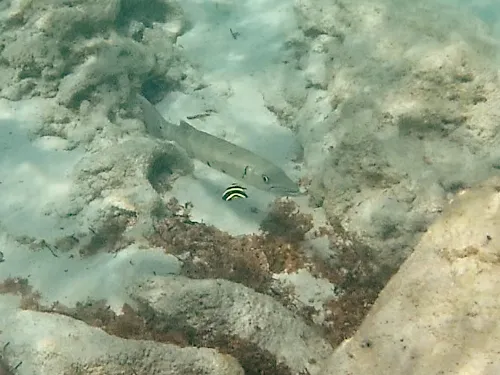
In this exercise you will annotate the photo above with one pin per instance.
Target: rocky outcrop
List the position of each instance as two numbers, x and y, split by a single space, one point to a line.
253 327
401 112
54 344
439 314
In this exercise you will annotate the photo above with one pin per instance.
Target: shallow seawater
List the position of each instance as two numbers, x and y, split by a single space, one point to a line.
118 253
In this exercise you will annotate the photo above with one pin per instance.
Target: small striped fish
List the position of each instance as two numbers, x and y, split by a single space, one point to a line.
234 191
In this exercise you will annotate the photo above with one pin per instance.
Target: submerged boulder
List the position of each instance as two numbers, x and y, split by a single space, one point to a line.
56 344
439 314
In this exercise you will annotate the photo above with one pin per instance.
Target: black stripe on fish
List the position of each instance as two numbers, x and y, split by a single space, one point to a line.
234 191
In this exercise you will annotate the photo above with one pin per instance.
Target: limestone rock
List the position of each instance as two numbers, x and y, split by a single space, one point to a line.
86 50
406 114
439 314
54 344
222 311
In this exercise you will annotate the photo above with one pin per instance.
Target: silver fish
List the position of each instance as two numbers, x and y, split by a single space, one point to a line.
220 154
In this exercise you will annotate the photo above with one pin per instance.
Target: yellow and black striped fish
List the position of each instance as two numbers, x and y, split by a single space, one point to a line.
234 191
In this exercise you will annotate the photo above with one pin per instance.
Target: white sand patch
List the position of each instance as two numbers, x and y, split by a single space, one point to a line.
35 176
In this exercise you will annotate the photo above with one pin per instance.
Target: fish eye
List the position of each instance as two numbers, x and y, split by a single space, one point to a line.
265 178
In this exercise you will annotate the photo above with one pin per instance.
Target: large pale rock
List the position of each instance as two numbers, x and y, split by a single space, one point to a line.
439 314
50 344
218 309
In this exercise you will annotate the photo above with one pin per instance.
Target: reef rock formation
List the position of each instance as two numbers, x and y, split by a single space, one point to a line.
401 112
55 344
439 314
252 327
